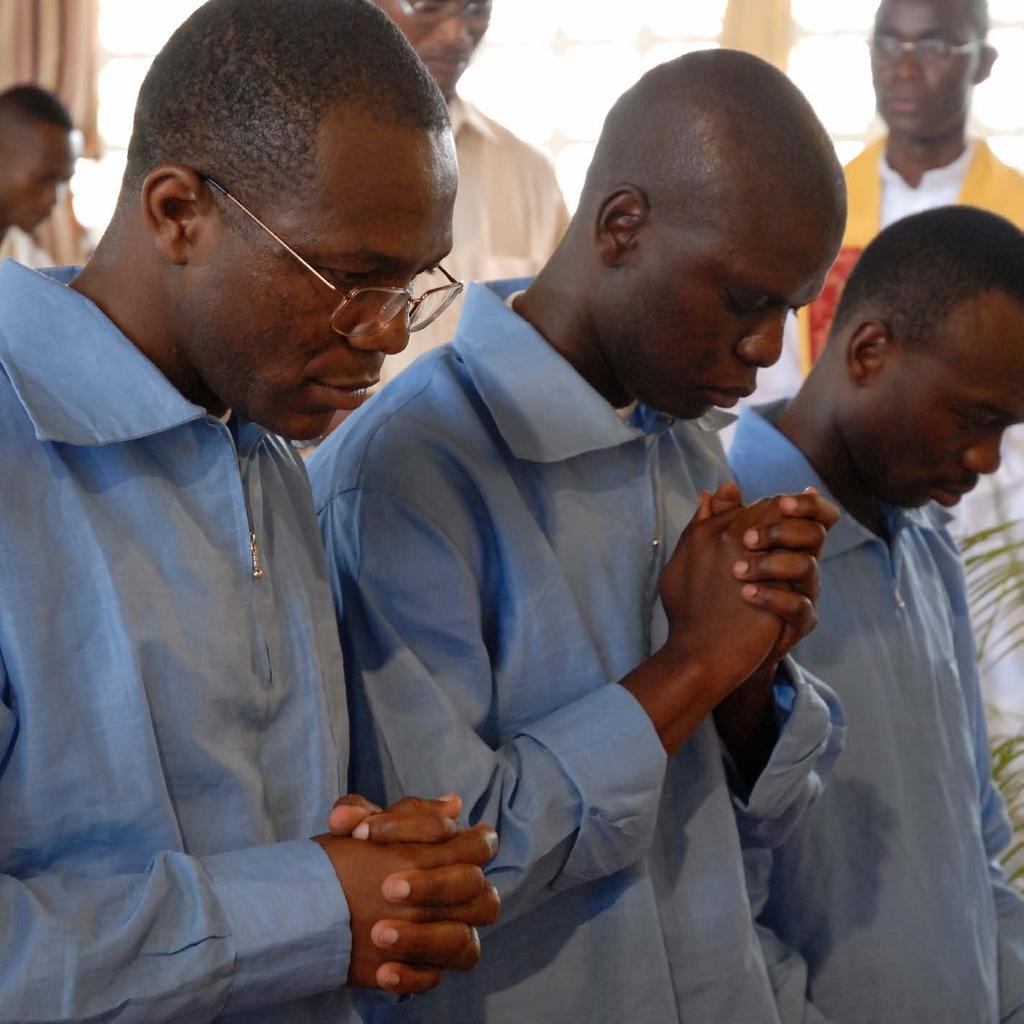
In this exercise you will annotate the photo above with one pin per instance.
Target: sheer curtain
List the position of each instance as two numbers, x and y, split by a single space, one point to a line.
759 26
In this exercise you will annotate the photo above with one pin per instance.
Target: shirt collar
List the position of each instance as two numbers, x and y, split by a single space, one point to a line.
769 463
79 379
464 116
543 408
938 177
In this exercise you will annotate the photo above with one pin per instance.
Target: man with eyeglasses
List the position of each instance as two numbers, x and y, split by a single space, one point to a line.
926 58
543 567
173 722
509 211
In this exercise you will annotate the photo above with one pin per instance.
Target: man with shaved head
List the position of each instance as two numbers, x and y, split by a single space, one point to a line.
542 565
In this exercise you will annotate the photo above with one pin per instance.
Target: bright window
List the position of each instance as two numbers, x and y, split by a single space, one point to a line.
550 69
131 34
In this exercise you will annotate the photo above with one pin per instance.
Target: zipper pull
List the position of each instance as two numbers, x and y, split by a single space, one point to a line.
257 567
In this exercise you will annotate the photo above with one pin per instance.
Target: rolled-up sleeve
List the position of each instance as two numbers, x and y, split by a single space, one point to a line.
811 737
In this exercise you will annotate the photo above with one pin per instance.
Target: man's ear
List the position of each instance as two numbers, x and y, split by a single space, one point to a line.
986 59
868 350
620 217
175 204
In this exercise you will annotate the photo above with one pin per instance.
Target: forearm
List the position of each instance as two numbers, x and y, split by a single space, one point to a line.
676 693
810 735
187 938
574 795
747 722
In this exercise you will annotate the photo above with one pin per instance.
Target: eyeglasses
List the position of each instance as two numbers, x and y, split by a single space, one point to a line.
365 311
436 11
931 50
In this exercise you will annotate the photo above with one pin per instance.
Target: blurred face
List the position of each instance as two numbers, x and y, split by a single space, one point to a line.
934 413
702 309
36 160
444 33
925 98
256 323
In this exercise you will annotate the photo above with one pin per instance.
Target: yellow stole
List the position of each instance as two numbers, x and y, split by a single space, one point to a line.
989 184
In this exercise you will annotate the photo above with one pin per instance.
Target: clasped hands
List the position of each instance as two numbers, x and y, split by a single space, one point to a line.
415 888
739 589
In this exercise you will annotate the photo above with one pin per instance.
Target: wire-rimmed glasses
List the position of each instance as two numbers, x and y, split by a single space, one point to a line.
363 311
430 11
930 50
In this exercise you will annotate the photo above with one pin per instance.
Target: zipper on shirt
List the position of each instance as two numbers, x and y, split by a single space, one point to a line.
257 565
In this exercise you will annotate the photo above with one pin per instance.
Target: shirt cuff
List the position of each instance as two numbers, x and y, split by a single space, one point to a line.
810 736
288 920
608 747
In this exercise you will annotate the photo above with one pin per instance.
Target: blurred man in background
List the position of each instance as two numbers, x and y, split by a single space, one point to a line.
36 161
509 211
926 58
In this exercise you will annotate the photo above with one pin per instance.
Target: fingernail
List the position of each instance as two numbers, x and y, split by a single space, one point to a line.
361 831
788 504
492 842
750 538
447 796
384 936
749 590
391 979
397 888
741 568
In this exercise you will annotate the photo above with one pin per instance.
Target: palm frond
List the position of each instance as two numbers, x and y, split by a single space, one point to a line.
994 563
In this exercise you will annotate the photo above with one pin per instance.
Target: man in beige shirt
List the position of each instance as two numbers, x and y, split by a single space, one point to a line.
509 211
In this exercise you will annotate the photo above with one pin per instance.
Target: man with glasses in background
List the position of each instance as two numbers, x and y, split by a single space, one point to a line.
509 211
173 718
926 58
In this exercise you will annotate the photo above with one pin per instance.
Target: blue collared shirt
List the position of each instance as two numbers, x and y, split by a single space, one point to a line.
887 903
496 534
171 728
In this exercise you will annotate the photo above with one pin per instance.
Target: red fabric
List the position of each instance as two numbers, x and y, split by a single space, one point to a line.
822 310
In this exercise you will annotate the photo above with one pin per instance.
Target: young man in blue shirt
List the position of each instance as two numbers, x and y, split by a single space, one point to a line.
532 569
173 728
888 902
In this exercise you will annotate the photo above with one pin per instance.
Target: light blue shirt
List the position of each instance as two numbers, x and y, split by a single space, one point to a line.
887 903
171 728
496 534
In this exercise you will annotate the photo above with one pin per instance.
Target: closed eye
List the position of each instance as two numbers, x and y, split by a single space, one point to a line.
750 303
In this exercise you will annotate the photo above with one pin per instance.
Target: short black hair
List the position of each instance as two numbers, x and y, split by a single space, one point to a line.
977 15
29 102
242 86
920 268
